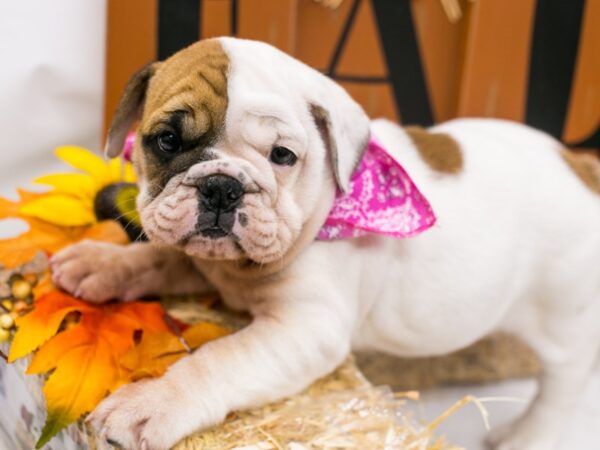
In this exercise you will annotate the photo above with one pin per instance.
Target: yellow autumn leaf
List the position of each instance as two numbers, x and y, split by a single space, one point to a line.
79 382
60 209
157 351
202 332
83 358
151 357
43 323
94 356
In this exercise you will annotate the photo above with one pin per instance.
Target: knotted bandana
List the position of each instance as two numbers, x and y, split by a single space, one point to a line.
382 199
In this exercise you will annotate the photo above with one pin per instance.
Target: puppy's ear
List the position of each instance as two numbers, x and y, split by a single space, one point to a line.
129 109
344 128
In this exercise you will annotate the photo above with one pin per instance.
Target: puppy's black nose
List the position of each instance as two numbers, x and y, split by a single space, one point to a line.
220 193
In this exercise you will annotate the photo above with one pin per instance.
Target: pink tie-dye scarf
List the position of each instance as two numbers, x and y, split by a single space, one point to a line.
382 199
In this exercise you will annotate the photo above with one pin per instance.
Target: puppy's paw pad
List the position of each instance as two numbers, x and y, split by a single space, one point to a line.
89 270
97 289
68 275
142 413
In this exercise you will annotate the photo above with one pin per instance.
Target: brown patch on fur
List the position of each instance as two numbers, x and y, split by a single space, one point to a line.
193 79
585 166
188 93
439 151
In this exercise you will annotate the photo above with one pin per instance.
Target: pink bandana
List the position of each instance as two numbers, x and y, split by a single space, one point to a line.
382 199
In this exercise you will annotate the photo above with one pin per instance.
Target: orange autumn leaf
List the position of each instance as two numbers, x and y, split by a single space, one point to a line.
106 231
51 238
84 357
150 357
157 351
9 208
35 328
46 236
93 356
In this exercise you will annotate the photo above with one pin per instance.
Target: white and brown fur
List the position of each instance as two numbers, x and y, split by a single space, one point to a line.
516 246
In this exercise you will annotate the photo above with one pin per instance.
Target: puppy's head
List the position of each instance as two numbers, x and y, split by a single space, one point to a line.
239 149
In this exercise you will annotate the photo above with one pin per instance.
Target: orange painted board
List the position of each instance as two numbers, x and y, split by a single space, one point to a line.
318 32
272 21
215 18
131 44
363 54
441 45
376 98
583 116
496 64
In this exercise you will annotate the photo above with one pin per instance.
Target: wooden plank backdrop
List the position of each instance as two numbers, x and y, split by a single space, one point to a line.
534 61
496 59
583 119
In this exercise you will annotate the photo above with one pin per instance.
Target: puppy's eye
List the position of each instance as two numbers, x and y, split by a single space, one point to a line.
282 156
169 142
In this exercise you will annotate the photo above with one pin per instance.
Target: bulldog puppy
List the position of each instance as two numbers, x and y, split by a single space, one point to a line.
240 151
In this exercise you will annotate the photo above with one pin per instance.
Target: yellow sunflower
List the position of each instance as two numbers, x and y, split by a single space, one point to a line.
74 198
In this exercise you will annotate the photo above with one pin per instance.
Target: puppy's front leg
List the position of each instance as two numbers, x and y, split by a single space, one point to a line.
99 271
292 341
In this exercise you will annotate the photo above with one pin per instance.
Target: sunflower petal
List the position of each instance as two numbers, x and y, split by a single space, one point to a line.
60 209
76 184
121 171
115 169
86 161
129 173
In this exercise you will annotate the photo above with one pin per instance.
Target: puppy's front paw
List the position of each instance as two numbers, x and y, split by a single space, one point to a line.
148 415
91 270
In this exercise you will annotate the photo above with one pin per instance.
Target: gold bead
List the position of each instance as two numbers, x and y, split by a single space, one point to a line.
4 335
7 305
21 289
6 321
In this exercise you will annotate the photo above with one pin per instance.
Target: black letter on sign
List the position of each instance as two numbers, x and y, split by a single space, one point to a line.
178 25
397 32
553 55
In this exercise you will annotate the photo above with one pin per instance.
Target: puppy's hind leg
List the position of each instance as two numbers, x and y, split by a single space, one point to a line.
568 344
99 271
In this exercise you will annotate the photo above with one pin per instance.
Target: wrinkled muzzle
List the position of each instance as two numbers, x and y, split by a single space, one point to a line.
216 211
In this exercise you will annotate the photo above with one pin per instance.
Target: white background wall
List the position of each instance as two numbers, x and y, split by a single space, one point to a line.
51 81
